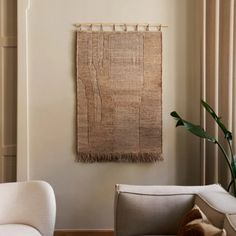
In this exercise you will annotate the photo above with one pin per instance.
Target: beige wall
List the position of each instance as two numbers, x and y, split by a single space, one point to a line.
85 192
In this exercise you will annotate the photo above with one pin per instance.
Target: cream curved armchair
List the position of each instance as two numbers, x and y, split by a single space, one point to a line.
27 209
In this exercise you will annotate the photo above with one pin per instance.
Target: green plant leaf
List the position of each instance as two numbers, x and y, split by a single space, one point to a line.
175 114
194 129
233 167
209 109
231 182
179 123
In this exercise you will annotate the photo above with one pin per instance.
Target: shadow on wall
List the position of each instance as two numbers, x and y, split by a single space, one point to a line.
73 77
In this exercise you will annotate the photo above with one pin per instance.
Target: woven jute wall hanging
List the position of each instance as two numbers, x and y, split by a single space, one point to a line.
119 96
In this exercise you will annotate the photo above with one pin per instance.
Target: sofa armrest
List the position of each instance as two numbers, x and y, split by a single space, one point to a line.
216 204
143 210
31 203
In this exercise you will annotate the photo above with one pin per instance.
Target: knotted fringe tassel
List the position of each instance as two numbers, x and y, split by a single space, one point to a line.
118 157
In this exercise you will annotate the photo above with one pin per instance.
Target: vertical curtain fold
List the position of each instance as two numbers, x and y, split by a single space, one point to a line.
217 82
225 78
212 78
234 77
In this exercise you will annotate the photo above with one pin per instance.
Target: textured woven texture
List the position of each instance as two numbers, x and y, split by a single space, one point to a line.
119 96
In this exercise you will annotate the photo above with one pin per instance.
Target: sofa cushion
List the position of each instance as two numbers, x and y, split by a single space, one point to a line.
215 205
141 214
18 230
230 225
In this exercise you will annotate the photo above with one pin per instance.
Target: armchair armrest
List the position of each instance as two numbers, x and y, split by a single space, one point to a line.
30 203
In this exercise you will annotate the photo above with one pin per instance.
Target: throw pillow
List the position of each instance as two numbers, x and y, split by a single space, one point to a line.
193 214
200 228
195 223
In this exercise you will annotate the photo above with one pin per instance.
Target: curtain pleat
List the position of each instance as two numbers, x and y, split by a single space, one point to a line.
218 59
234 78
212 57
225 78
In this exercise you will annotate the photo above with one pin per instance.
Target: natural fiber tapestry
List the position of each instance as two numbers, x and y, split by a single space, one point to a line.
119 96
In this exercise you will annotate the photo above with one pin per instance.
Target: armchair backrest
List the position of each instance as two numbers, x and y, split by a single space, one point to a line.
31 203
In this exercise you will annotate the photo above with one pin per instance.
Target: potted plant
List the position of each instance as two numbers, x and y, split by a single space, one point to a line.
200 132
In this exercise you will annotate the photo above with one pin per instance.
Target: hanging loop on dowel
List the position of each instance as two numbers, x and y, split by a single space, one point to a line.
124 26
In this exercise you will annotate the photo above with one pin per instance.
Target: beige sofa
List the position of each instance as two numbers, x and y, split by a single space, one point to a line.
27 209
158 210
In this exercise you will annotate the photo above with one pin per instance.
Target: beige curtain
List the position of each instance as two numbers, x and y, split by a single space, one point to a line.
218 82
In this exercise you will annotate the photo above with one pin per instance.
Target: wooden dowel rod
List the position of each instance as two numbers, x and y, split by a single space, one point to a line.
120 24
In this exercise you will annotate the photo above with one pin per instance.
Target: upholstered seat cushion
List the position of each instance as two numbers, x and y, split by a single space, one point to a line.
18 230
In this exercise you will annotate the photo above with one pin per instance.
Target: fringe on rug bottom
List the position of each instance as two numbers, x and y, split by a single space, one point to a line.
118 157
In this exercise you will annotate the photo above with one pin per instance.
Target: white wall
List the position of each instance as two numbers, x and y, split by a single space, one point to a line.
85 192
